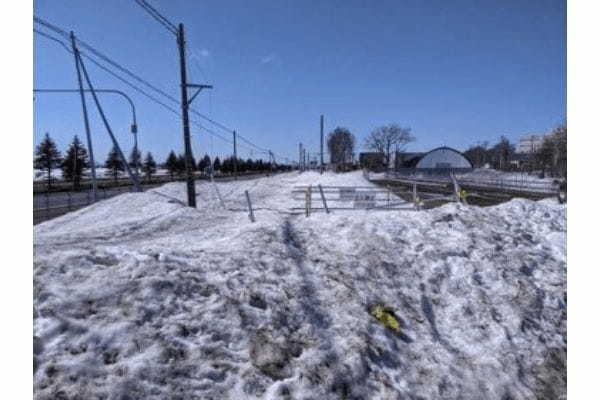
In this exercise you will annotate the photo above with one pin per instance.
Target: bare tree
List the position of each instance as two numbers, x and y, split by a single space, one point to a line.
502 152
478 154
340 143
384 138
552 154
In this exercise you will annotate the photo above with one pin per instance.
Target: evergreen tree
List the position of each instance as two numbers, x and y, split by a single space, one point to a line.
135 158
74 162
47 157
181 164
149 166
249 165
114 164
241 165
217 164
171 163
204 163
227 165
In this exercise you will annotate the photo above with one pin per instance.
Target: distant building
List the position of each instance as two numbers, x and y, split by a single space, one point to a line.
440 158
444 157
519 159
371 160
407 160
529 144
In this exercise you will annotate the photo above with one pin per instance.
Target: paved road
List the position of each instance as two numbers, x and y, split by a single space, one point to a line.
52 205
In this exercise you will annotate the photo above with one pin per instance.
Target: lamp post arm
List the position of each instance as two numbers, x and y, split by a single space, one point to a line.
98 91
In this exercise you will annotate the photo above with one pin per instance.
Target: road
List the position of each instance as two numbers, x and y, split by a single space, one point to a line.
51 205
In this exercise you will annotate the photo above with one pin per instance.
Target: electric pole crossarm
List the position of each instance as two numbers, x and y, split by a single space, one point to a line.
199 87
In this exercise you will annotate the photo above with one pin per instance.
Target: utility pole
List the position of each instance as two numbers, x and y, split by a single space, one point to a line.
235 162
321 143
85 119
300 157
191 186
306 158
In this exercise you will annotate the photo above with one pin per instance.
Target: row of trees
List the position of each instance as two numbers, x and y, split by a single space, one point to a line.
48 157
175 164
497 156
384 140
549 158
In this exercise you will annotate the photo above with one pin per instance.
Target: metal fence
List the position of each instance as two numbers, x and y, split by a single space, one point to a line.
330 198
516 182
51 205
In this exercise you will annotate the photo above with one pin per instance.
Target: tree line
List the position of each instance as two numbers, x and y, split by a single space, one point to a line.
383 140
75 161
548 158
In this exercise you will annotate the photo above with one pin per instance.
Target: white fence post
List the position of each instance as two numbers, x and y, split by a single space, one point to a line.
308 200
416 200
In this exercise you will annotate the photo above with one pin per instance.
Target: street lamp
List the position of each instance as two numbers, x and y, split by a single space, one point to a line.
134 128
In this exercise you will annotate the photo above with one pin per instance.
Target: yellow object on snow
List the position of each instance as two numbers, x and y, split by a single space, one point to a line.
386 316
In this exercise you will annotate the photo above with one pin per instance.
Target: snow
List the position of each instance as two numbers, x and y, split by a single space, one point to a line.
139 296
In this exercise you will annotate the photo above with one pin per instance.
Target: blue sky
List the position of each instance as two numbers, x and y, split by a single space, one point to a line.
456 72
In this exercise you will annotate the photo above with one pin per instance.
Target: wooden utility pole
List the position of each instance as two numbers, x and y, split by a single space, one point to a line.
191 186
322 144
300 157
235 162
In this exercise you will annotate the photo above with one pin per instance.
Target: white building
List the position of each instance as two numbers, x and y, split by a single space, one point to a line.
444 157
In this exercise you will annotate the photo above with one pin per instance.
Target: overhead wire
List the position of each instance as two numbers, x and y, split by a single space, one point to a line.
158 16
116 65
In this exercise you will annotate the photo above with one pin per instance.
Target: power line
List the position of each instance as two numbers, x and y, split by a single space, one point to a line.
106 59
125 81
48 25
157 16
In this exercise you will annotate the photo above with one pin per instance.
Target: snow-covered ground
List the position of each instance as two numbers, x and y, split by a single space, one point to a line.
141 297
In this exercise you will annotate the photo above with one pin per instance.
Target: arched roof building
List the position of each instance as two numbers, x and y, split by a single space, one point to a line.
444 157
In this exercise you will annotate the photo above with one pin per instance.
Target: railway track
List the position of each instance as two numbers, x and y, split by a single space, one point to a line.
480 195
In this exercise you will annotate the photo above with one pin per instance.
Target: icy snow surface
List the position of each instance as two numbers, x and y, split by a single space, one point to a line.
140 297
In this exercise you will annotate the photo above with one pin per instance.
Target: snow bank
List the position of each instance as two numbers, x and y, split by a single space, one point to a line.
141 297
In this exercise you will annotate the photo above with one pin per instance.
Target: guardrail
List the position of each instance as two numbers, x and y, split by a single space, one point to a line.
48 205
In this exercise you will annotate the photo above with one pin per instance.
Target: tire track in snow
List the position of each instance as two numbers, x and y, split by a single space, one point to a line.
310 302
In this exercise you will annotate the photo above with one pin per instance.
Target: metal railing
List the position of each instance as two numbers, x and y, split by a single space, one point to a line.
331 198
514 183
